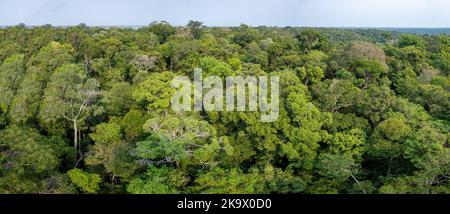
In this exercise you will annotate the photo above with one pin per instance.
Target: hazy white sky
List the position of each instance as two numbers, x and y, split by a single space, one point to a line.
322 13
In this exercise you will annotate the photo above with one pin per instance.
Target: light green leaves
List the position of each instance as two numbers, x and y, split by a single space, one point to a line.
87 182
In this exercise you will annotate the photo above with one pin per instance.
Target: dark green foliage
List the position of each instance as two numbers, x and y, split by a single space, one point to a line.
361 111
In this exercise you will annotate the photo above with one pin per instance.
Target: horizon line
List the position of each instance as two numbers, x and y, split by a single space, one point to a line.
212 26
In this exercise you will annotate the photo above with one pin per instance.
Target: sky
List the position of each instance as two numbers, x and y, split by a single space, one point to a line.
313 13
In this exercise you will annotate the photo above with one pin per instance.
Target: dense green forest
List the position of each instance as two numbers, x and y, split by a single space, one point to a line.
87 110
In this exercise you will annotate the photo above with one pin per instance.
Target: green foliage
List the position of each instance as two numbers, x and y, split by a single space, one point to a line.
25 104
311 40
118 99
211 66
87 182
110 150
132 124
244 35
162 180
195 28
178 140
162 29
361 111
233 181
410 40
52 56
69 96
337 167
349 142
26 159
155 91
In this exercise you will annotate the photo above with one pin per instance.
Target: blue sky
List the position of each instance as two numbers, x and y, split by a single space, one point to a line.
318 13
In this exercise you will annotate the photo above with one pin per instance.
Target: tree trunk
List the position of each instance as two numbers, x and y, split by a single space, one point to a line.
357 182
75 136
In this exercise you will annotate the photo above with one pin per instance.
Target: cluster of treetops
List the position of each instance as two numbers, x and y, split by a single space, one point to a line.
87 110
